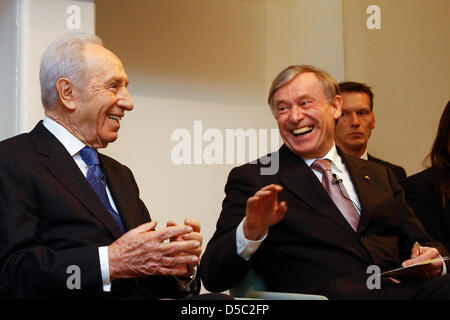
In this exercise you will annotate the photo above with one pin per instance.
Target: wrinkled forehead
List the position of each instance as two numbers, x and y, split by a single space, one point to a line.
102 62
354 100
302 84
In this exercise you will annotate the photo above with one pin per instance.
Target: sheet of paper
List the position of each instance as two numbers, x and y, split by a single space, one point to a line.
412 270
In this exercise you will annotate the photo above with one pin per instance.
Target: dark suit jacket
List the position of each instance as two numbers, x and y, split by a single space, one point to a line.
50 219
424 196
399 172
313 245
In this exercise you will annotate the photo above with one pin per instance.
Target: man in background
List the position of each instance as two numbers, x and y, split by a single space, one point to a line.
356 123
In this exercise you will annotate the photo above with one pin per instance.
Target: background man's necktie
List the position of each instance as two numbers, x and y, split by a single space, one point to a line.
337 192
97 181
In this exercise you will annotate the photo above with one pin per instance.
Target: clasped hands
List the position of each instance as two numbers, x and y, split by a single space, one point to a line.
142 251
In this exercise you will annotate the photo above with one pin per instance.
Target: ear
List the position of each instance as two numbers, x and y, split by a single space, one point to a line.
66 93
337 106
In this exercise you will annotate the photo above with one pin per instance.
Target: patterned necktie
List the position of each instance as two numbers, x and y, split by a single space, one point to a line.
337 192
97 181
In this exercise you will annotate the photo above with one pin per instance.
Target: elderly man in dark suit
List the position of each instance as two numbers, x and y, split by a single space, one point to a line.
71 221
319 222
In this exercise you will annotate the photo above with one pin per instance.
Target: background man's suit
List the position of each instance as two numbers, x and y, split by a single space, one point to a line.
314 246
397 170
50 218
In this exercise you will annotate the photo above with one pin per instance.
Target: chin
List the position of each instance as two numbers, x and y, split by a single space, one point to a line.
356 146
108 140
304 153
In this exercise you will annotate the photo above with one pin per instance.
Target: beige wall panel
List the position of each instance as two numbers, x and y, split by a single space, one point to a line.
407 64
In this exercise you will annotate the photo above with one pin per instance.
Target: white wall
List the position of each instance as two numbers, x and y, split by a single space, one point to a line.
27 28
8 64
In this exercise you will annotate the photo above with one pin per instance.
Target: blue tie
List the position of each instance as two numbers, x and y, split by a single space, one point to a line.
97 180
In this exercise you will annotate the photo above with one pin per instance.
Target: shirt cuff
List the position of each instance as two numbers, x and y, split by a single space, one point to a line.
246 248
444 268
104 268
185 284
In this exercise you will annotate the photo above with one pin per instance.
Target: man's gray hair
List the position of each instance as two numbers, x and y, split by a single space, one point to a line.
64 59
329 84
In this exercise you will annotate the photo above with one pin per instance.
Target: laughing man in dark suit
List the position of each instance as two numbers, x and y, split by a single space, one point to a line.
53 225
286 227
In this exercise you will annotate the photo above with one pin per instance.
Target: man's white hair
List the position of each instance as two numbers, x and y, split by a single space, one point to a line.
64 59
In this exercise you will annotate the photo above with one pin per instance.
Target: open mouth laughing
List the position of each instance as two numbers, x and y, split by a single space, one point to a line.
302 131
115 117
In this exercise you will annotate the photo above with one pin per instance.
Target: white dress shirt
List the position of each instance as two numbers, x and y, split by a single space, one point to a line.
73 145
365 155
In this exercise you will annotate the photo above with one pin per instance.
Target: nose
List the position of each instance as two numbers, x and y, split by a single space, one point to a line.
354 120
296 114
124 99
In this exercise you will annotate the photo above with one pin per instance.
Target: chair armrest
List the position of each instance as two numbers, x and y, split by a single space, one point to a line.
252 287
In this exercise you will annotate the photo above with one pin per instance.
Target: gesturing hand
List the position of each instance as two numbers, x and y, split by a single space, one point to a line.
144 251
263 210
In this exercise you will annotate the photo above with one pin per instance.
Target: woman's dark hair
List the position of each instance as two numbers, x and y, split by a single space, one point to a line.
440 154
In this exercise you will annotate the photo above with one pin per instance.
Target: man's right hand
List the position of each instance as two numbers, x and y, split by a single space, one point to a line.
263 210
144 251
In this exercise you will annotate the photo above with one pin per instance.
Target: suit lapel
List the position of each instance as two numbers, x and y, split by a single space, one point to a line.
300 180
61 165
362 183
130 217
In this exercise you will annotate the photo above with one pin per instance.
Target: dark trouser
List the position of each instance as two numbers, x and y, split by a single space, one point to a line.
354 287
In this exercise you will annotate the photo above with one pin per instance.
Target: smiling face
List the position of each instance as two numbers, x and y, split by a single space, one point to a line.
101 104
356 123
305 117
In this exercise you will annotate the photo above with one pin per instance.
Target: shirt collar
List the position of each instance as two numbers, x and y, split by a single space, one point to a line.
333 156
365 155
72 144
